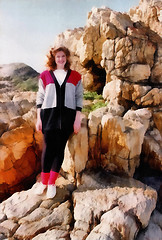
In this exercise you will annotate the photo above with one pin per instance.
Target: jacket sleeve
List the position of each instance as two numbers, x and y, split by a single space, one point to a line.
79 96
40 94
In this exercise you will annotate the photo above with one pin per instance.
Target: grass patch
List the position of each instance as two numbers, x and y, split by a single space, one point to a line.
98 105
31 84
92 96
89 108
96 101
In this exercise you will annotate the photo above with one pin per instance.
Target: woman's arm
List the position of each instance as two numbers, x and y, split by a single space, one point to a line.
79 104
77 122
39 121
39 102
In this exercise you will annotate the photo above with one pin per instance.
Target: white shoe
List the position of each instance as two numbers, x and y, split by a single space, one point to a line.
51 191
40 189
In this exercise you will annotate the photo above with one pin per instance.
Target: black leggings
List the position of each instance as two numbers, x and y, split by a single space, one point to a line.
53 150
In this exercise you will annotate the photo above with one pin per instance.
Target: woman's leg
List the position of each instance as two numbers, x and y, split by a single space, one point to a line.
61 138
48 155
53 153
48 151
46 164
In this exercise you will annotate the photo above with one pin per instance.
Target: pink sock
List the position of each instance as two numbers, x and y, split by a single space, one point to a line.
45 177
53 177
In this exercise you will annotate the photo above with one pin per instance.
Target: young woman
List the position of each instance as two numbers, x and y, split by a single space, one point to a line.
59 104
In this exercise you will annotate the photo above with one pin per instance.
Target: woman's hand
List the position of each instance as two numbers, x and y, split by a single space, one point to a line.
39 121
77 122
39 125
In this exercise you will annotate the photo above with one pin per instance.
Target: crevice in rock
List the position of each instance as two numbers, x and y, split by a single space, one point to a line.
150 177
99 74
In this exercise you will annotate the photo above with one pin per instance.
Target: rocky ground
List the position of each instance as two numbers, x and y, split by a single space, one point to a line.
103 206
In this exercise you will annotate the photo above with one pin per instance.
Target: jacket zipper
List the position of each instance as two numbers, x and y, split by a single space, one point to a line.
60 108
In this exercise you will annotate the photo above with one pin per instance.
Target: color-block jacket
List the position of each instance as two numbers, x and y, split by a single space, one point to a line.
59 103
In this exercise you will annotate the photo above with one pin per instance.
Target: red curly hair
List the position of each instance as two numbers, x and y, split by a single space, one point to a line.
51 64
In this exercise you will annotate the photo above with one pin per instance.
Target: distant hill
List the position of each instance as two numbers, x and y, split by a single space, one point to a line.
18 76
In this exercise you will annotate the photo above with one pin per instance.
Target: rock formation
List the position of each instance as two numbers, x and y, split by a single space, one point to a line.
120 56
104 206
20 146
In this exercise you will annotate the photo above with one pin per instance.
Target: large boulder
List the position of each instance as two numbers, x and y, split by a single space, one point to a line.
24 215
149 13
106 207
115 143
76 152
20 146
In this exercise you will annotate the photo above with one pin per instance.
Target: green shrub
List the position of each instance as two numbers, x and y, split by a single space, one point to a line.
93 105
31 84
91 95
98 105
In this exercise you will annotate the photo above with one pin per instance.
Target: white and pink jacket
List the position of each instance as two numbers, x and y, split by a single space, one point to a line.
59 103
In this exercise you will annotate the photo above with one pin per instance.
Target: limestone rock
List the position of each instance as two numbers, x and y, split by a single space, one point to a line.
134 92
112 90
25 214
16 122
54 234
108 30
23 138
88 81
120 149
132 51
137 72
111 40
76 151
142 115
108 49
121 21
20 204
69 38
156 74
90 46
60 215
18 156
153 230
115 143
3 127
104 206
101 14
30 117
99 202
115 223
152 153
115 108
148 12
152 98
10 227
94 132
157 117
28 95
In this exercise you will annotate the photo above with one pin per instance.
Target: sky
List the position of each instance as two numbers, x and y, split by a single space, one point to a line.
28 28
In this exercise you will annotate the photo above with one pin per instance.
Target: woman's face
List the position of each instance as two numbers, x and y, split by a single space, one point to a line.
60 59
